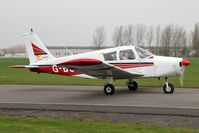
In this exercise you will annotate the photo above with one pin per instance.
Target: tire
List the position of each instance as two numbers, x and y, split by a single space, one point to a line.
132 86
168 90
109 89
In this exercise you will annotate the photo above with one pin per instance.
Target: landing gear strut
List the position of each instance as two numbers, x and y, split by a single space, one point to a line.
109 89
132 85
168 88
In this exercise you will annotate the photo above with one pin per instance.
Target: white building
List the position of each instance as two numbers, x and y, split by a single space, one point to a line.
2 52
59 51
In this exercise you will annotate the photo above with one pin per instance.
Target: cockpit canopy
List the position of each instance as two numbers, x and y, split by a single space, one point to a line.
126 53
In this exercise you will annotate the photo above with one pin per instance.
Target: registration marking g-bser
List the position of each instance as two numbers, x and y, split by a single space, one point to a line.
56 69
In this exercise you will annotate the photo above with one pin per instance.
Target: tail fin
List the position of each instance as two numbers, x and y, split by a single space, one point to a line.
36 50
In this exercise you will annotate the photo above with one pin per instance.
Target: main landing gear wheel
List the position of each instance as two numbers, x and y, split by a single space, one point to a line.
132 86
109 89
168 88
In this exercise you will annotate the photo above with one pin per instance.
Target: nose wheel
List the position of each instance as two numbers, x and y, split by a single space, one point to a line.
168 88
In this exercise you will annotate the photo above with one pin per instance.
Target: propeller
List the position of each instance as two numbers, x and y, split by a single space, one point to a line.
184 63
182 76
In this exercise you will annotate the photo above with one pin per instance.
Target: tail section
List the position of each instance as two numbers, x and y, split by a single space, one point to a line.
36 50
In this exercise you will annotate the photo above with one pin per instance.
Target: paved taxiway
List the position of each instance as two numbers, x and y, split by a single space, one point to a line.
84 98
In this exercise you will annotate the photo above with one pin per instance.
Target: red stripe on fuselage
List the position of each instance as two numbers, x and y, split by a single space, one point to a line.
55 69
124 66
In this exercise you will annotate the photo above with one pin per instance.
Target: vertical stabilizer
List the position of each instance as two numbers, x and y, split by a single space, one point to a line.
36 50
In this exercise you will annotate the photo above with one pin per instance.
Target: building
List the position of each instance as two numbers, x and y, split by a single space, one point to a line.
59 51
2 52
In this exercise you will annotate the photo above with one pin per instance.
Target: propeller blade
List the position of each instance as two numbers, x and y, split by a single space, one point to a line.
182 76
185 63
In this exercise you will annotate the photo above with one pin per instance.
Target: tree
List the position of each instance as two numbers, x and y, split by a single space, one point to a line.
99 36
150 36
140 32
166 38
195 39
179 38
189 38
189 42
184 44
128 35
158 38
118 36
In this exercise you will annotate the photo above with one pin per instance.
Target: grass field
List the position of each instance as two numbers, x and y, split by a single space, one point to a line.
49 125
23 76
10 124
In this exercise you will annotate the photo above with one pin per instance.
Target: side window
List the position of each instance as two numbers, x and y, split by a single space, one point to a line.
127 55
110 56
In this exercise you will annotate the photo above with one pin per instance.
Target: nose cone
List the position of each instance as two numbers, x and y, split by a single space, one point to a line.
185 62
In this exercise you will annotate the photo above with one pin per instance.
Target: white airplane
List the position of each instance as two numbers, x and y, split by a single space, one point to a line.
124 62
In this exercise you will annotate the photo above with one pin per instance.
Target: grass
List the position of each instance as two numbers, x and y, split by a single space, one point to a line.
23 76
49 125
10 124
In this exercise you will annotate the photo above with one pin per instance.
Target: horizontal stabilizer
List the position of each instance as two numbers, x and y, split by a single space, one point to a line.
23 66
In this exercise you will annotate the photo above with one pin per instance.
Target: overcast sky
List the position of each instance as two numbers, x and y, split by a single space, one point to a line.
72 22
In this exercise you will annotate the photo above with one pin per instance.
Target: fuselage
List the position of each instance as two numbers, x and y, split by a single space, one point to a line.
136 60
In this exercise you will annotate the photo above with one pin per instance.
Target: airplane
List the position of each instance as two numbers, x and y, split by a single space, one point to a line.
122 62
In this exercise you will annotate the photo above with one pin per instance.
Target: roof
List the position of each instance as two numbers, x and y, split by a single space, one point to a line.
75 47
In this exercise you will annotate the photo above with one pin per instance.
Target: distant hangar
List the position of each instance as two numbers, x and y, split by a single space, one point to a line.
59 51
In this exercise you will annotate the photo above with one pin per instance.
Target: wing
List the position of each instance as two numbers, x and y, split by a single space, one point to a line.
99 69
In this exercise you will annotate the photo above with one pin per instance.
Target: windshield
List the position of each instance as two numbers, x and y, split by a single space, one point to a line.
142 53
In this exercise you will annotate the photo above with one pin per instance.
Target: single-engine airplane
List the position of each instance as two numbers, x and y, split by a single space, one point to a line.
123 62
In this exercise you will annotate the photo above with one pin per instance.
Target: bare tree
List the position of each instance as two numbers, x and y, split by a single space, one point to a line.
140 32
178 38
166 38
195 39
184 44
150 36
158 38
189 43
118 36
129 34
99 36
189 38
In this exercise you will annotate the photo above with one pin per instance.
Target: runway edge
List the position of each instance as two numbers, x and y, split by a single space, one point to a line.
172 111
